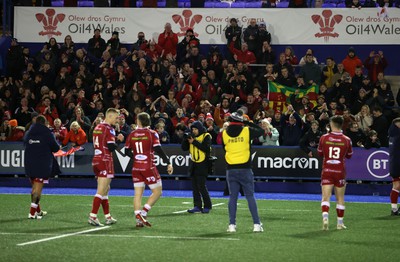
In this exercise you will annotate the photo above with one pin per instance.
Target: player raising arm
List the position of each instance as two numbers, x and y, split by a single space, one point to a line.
103 165
334 147
141 145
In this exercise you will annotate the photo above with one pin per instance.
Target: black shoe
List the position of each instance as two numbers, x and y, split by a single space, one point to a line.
195 210
206 210
395 213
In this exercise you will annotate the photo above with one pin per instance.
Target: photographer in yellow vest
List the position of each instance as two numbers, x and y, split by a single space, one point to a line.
198 142
237 145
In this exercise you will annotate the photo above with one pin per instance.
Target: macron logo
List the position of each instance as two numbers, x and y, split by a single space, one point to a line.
123 160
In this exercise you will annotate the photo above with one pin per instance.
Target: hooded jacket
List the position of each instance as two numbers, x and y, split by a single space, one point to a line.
40 143
199 168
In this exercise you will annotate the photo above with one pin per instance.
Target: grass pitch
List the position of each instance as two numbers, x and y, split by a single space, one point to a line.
292 232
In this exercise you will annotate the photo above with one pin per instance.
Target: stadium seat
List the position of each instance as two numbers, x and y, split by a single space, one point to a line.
85 3
256 4
181 4
139 3
161 4
341 5
282 4
57 3
329 5
187 4
222 5
209 4
238 5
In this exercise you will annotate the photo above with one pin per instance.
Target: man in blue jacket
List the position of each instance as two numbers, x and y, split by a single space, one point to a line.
40 164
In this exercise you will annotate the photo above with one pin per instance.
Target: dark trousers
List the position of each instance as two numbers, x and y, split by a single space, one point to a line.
200 192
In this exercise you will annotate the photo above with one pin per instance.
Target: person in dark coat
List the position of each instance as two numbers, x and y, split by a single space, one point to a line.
311 138
394 164
198 142
96 44
40 164
15 60
291 125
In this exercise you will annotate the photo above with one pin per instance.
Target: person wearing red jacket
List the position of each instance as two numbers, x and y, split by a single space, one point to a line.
76 136
152 49
48 110
168 41
351 62
179 117
205 90
244 55
375 64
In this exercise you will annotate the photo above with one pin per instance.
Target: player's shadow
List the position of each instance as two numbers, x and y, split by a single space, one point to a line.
172 215
13 220
314 234
217 235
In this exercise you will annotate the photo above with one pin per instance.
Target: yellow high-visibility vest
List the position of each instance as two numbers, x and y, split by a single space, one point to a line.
237 148
196 154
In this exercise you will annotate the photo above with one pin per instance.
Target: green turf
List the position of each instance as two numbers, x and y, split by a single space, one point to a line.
292 232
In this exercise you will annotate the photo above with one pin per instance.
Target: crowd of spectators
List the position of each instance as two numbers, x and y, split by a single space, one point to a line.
177 84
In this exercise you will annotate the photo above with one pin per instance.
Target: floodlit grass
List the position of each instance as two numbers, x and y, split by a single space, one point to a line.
292 232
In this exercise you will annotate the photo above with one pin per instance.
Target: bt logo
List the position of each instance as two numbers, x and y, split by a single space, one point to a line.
378 164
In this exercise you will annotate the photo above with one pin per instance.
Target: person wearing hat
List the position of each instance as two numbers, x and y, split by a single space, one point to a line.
198 143
211 127
271 134
17 132
367 84
39 162
236 140
263 35
351 62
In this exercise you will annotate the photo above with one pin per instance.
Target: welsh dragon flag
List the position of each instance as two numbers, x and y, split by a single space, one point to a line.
279 95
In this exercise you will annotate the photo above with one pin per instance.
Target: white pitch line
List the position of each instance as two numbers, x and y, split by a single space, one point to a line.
62 236
134 236
191 238
184 211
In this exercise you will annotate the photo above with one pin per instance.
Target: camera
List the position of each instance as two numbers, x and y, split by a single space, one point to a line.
188 135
